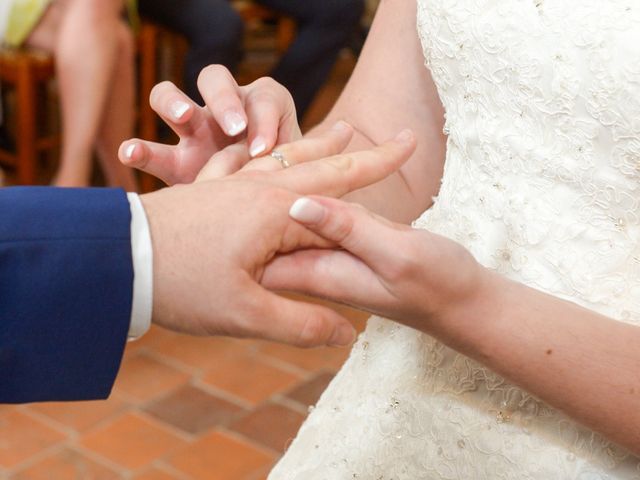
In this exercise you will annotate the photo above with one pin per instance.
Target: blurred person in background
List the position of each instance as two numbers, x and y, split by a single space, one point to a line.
94 55
214 31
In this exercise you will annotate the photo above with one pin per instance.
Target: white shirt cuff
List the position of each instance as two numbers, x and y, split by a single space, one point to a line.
142 254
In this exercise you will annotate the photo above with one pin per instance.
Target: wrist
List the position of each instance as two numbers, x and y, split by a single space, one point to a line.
464 322
151 208
478 320
171 224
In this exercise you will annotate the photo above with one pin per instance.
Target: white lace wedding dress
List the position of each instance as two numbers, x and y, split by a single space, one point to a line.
541 183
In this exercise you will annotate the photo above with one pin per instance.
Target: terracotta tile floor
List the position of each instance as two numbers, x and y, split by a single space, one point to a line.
182 407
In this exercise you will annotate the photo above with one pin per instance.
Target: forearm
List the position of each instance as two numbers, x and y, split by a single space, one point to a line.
390 90
579 361
576 360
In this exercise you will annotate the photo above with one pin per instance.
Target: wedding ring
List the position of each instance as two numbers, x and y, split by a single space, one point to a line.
280 157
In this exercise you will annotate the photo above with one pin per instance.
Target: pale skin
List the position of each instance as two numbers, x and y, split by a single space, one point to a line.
94 54
206 281
576 360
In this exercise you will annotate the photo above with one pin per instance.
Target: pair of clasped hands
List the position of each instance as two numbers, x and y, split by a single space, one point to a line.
237 225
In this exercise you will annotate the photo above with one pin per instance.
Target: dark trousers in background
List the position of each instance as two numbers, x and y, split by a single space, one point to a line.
214 32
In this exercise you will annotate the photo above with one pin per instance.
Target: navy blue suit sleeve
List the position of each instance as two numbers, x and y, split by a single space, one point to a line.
66 283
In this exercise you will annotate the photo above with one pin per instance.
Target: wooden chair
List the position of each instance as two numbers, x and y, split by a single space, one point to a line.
147 43
148 39
27 71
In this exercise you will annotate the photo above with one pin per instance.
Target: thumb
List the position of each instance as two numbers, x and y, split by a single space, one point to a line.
362 233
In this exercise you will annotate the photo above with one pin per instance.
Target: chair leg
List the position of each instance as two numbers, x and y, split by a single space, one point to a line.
27 154
148 45
285 34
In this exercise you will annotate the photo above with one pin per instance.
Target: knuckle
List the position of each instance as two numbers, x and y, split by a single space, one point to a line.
263 97
266 196
245 325
312 333
265 82
250 174
341 163
271 85
327 141
288 98
341 225
406 263
276 89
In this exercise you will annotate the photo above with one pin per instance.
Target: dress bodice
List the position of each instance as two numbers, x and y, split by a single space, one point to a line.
541 183
542 180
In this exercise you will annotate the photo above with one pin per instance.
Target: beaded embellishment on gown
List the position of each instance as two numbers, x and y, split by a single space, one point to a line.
541 183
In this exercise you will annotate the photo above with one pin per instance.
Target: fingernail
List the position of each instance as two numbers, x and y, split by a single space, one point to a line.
257 146
405 136
306 210
341 126
129 150
233 123
343 336
178 109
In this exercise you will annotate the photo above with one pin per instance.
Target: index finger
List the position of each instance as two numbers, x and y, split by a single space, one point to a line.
340 174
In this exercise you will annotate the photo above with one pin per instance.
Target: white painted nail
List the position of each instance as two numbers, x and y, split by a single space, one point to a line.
130 149
257 146
233 123
306 210
178 109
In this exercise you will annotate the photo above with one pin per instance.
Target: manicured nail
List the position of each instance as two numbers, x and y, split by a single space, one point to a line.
306 210
257 146
178 109
233 123
340 126
130 149
344 336
405 136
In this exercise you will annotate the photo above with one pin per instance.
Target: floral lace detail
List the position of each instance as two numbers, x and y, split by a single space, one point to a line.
541 183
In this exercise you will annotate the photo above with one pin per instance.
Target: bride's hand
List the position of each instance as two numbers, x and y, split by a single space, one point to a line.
410 275
253 117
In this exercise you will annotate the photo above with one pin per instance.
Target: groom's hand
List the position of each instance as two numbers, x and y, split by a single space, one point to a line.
213 239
